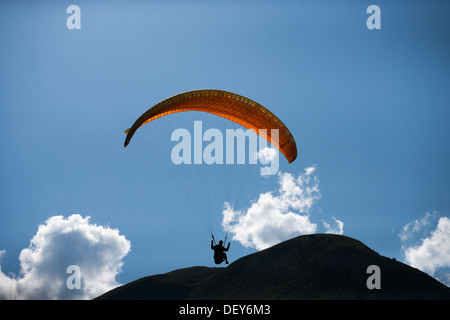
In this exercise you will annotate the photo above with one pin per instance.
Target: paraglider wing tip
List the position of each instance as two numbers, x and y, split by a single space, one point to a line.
127 139
293 159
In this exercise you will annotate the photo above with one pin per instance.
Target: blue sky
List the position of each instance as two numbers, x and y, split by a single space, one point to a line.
369 110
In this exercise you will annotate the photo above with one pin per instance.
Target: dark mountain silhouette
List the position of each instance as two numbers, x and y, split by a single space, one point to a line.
320 266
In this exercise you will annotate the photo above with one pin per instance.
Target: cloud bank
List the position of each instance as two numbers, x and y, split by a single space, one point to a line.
59 243
279 215
426 248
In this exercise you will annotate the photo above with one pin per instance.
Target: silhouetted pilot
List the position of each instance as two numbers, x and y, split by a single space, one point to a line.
219 252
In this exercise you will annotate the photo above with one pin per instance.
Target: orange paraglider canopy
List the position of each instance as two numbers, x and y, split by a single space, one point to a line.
231 106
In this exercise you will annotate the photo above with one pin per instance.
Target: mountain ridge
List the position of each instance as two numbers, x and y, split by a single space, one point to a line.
311 267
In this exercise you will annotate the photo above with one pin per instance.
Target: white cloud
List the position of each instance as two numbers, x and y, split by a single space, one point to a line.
417 227
266 155
277 216
59 243
431 253
338 227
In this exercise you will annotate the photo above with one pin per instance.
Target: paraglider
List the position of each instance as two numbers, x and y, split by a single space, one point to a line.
227 105
219 251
